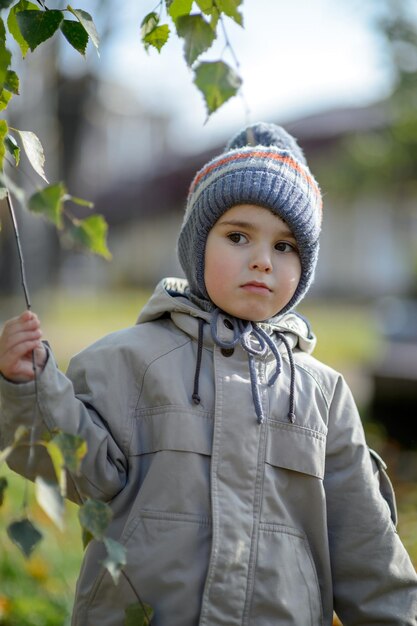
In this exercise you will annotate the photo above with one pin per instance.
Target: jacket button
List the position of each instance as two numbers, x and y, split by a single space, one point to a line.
228 324
227 351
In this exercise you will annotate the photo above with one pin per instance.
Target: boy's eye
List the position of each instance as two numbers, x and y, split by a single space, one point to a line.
236 237
284 246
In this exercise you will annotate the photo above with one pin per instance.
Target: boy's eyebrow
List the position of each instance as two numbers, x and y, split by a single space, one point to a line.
249 225
238 223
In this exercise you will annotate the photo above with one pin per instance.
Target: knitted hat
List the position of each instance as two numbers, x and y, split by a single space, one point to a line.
261 165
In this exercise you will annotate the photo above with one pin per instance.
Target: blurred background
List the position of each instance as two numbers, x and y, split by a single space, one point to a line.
127 130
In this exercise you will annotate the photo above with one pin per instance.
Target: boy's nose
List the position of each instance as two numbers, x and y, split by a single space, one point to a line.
261 261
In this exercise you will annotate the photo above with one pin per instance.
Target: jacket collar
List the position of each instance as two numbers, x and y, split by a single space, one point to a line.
169 298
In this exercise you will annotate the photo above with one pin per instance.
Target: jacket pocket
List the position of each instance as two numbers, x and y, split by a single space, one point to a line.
172 428
385 485
169 459
286 589
166 568
296 448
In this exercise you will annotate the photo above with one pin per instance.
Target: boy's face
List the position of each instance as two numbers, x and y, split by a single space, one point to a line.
252 266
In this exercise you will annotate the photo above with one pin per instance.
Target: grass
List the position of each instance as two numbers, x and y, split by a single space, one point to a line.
39 591
346 333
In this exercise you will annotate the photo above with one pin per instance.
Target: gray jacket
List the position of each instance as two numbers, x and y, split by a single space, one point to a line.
227 519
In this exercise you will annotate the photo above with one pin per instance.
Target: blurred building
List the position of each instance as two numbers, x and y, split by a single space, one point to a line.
368 240
114 152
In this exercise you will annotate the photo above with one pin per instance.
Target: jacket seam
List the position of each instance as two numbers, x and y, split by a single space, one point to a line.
154 360
300 430
146 413
319 383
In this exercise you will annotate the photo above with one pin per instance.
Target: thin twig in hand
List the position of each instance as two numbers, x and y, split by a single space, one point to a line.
29 306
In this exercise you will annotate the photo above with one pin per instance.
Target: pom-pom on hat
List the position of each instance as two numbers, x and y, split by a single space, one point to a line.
261 165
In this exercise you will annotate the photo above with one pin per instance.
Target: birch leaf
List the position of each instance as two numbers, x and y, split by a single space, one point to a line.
198 36
50 500
25 535
138 614
179 7
218 82
95 516
49 203
13 26
34 151
38 26
12 148
76 35
87 23
73 449
91 233
116 558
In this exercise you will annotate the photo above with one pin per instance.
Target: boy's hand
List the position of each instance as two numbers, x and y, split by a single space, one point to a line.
19 338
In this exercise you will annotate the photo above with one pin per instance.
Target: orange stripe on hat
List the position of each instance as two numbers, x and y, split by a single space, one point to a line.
261 155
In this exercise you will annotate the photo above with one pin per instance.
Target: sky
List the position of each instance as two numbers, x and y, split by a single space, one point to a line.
295 58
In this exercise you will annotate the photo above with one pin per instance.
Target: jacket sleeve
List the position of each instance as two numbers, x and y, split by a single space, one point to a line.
81 403
374 579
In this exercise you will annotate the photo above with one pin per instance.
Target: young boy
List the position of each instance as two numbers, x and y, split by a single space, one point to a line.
235 463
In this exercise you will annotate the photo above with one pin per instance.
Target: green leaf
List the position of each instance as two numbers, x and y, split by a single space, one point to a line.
4 129
149 22
49 203
87 23
12 82
21 431
4 4
198 36
179 7
116 558
34 151
95 516
208 7
5 60
23 5
86 537
5 98
12 148
3 486
91 233
75 34
138 614
218 82
2 32
50 499
73 449
25 535
230 8
152 34
66 452
158 37
38 26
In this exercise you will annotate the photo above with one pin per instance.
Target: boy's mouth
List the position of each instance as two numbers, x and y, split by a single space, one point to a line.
256 287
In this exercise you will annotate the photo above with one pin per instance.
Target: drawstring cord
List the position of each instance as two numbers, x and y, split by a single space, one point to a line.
291 413
196 395
242 331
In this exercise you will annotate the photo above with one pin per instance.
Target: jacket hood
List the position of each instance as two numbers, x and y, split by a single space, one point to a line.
170 297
